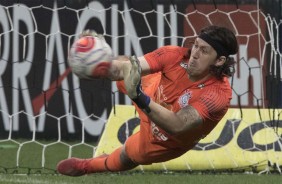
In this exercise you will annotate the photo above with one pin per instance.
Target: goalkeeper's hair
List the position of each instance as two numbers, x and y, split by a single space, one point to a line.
228 40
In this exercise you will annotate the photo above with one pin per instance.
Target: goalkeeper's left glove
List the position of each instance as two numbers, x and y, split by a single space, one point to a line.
133 86
89 32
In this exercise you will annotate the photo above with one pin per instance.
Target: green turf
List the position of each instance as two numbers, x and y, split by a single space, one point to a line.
31 153
146 178
30 168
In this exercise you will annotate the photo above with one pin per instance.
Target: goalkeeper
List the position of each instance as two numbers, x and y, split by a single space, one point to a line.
182 96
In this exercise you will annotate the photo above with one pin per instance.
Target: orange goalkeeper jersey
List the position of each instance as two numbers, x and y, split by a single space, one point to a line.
169 86
211 98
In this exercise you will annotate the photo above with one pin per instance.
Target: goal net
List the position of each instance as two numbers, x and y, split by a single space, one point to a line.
47 114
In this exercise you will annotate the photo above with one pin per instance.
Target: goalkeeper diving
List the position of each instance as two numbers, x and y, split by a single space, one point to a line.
180 95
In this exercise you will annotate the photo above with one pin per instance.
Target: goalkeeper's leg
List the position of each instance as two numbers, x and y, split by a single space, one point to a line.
116 161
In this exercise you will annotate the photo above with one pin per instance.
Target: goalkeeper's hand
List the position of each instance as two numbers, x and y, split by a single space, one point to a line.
133 85
89 32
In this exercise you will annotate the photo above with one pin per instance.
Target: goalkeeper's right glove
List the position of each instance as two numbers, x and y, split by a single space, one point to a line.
133 86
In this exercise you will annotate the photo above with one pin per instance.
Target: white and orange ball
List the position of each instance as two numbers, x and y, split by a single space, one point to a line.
90 57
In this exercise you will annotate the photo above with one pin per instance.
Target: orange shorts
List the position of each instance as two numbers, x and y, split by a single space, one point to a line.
143 147
142 150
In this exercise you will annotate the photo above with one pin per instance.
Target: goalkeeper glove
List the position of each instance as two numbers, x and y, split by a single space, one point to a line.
133 86
92 33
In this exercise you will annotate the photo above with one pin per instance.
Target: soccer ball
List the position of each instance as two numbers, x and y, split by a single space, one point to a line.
90 57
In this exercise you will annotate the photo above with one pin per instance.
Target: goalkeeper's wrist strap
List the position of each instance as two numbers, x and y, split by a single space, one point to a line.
143 101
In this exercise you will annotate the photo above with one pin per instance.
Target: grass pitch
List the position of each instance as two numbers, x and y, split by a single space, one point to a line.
27 168
140 178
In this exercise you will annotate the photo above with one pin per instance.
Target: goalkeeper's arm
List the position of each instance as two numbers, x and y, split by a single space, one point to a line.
121 66
116 69
175 123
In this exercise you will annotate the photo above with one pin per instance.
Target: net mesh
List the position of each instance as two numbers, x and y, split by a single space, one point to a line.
46 109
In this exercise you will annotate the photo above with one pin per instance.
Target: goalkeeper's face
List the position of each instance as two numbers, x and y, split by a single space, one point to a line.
202 57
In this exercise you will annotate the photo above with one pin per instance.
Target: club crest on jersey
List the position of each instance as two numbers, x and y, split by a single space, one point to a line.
184 65
184 98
